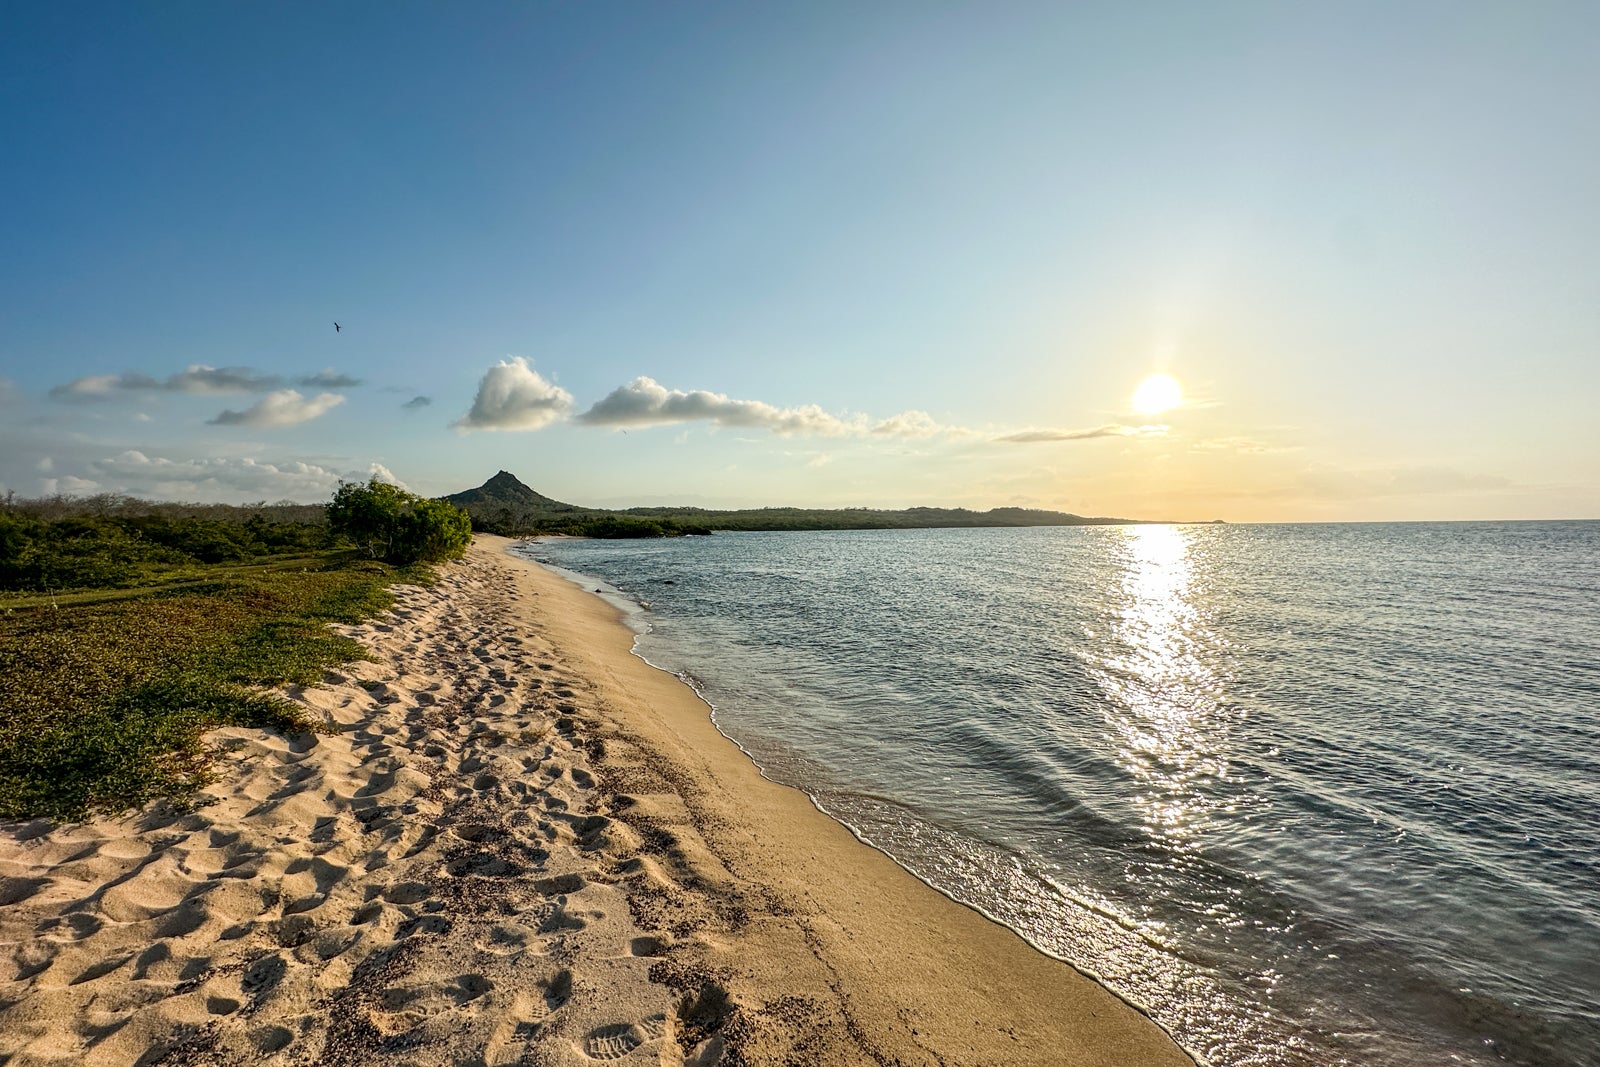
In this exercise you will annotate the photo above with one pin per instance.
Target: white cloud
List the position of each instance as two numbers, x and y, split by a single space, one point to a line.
67 485
99 386
514 396
384 474
286 407
646 402
156 477
417 402
198 378
1109 430
915 424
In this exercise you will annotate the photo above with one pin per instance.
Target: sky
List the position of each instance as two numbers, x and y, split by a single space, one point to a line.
815 254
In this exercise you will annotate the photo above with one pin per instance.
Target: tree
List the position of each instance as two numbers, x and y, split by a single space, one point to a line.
396 526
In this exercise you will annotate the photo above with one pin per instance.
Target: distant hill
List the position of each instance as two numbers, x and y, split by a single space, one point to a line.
506 490
504 505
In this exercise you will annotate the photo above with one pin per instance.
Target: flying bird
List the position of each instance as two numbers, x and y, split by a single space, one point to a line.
337 327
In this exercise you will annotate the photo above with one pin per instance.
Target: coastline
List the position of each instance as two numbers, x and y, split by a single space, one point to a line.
524 845
923 972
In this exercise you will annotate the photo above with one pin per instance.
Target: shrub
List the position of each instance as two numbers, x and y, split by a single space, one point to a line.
396 526
616 526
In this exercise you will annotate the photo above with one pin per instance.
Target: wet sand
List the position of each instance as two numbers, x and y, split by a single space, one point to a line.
524 845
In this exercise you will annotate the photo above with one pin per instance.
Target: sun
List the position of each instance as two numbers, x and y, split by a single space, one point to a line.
1157 393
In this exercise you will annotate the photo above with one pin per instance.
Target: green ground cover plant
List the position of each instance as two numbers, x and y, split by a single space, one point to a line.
85 551
106 693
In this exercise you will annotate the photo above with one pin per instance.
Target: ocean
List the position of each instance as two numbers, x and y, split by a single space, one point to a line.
1306 794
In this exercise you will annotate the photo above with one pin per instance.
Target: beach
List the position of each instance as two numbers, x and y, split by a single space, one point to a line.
518 843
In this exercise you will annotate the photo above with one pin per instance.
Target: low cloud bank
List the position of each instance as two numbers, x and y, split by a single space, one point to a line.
1027 437
139 474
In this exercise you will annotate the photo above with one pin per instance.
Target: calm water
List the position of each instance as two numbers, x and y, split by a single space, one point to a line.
1322 794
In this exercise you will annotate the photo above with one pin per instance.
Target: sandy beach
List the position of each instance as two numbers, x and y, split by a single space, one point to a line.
521 845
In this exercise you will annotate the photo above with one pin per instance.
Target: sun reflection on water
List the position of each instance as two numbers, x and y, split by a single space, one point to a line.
1168 724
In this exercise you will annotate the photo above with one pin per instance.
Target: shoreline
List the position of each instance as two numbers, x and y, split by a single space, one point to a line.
628 610
524 844
810 836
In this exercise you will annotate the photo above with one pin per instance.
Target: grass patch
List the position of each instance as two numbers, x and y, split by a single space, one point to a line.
105 696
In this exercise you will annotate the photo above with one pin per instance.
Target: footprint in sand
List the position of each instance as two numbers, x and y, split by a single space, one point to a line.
648 946
614 1042
507 939
102 968
262 976
560 884
478 833
557 918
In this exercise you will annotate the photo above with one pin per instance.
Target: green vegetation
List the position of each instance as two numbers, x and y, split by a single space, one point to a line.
86 552
503 505
616 526
125 637
396 526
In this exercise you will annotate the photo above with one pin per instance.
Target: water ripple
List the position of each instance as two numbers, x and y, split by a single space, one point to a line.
1307 794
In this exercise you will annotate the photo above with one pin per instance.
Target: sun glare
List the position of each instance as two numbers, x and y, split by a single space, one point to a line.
1157 393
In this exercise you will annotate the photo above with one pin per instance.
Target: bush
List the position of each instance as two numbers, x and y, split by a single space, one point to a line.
614 526
396 526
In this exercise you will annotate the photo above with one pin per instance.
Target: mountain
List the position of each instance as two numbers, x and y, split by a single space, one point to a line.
505 490
504 505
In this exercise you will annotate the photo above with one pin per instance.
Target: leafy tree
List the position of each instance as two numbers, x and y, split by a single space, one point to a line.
396 526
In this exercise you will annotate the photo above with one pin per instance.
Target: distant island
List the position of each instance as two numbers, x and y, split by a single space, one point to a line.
504 505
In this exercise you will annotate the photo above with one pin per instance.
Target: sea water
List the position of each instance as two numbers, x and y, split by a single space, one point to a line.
1305 794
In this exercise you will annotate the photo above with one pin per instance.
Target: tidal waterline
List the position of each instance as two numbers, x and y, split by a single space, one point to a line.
1307 794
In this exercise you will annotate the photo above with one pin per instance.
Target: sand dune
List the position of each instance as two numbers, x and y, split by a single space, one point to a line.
522 846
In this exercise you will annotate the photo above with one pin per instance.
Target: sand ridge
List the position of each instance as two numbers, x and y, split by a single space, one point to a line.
524 845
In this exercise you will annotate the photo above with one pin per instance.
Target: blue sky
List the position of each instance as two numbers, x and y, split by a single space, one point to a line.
877 254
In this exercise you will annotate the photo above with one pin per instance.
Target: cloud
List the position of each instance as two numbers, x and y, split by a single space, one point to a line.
327 378
914 424
203 379
139 474
417 402
384 474
196 379
67 485
514 396
1026 437
646 402
100 386
283 408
